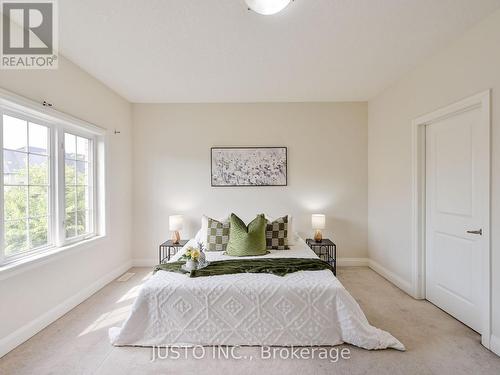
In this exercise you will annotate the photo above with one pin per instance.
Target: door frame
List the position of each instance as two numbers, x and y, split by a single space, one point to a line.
481 100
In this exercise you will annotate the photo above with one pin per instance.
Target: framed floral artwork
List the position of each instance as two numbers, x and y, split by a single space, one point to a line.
249 166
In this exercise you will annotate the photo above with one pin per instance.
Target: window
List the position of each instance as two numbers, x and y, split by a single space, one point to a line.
49 187
26 185
77 184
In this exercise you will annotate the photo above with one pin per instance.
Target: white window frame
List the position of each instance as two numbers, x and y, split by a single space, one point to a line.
50 206
92 162
58 123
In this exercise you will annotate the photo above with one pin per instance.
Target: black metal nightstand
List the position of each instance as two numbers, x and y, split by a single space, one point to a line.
168 248
326 250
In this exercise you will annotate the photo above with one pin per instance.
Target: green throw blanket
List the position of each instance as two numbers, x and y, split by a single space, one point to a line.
275 266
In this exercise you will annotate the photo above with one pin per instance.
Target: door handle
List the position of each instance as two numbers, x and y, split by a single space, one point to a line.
480 232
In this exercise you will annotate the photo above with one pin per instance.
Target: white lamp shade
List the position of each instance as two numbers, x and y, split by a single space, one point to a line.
175 222
267 7
318 221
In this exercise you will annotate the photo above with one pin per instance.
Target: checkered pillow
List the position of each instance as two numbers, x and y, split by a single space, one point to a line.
277 234
217 235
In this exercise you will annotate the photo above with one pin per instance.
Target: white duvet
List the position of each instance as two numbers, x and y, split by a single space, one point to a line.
300 309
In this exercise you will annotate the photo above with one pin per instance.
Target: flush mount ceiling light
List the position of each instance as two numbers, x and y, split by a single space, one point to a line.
267 7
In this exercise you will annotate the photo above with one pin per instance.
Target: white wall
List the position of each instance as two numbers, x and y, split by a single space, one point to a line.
468 66
30 299
327 147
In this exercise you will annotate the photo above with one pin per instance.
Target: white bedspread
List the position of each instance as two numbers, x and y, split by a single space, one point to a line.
300 309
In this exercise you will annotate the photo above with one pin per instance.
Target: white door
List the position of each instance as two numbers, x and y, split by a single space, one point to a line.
457 213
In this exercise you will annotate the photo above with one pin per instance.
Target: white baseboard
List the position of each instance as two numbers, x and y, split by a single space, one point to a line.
19 336
495 344
145 262
352 262
391 276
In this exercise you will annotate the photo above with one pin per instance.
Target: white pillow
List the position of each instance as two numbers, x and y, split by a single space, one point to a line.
292 235
197 237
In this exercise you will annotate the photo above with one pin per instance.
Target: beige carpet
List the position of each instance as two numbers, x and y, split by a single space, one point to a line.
437 344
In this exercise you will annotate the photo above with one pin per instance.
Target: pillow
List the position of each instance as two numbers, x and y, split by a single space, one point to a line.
202 234
197 237
247 240
277 234
291 236
217 235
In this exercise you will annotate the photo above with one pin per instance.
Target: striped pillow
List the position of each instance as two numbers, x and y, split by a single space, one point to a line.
247 240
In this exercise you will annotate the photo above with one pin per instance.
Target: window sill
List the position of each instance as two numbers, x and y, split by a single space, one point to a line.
19 266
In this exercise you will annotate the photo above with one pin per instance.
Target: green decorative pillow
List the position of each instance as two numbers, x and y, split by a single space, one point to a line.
247 240
217 235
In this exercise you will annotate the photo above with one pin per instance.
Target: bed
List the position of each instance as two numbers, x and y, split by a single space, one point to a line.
305 308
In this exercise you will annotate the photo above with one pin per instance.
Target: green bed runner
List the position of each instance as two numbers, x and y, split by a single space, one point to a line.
275 266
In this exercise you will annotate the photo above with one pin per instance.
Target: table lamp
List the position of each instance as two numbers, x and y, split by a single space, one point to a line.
175 225
318 223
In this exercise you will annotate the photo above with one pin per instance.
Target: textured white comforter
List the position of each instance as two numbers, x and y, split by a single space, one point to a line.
300 309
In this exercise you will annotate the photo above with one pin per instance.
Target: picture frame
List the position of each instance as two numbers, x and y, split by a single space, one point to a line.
250 166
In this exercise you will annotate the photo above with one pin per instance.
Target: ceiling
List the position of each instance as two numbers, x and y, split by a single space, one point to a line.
218 51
